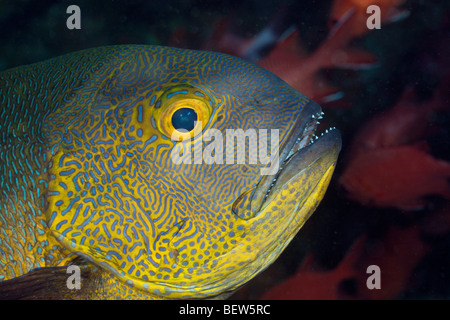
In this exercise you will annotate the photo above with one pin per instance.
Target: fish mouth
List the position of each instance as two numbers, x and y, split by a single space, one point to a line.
300 149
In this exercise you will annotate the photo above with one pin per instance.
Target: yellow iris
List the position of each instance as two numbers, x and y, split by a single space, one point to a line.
182 112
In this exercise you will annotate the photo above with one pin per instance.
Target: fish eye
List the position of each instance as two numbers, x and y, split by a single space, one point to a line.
182 112
185 119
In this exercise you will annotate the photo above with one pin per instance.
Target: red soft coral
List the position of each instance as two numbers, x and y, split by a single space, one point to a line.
389 12
390 165
309 283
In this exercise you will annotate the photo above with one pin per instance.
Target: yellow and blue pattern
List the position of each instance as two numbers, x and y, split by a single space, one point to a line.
86 170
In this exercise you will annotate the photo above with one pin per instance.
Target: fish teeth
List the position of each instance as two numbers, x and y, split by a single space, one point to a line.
318 116
291 152
271 185
313 138
328 130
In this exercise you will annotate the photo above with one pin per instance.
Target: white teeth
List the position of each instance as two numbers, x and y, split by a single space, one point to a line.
313 137
317 116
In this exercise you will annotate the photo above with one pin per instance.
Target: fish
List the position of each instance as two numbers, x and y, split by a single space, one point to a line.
88 177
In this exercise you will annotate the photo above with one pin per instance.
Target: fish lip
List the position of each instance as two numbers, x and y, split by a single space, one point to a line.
322 152
299 137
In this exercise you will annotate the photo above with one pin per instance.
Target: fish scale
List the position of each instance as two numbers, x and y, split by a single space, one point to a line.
88 177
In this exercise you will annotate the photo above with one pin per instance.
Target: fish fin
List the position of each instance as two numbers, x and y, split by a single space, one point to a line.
49 283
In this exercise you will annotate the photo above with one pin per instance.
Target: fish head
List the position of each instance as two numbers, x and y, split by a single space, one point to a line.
187 173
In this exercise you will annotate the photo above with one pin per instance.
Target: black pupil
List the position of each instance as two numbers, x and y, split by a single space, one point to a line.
184 118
